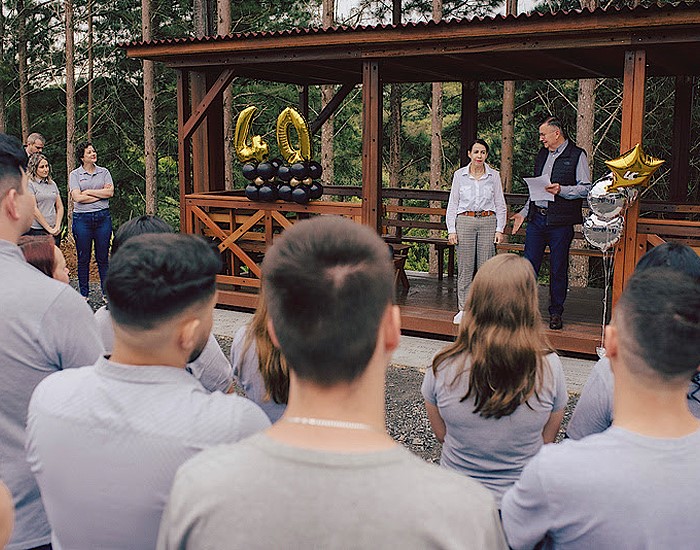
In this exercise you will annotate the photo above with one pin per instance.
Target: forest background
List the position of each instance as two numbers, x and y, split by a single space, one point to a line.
39 56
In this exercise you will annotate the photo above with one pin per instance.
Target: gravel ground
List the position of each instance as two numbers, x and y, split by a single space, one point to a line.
407 421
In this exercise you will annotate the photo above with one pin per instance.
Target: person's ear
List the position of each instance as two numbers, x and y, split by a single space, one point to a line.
187 338
612 345
391 327
272 333
10 204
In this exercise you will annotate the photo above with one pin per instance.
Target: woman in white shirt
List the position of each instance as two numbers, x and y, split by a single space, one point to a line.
476 217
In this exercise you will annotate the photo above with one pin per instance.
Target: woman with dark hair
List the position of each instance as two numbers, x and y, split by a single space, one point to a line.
91 187
475 217
48 212
42 253
259 366
594 409
498 393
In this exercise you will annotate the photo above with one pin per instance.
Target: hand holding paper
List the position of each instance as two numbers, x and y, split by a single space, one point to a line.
537 189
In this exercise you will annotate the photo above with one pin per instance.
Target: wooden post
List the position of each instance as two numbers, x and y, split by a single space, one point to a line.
183 147
304 101
628 250
200 153
215 139
470 111
682 117
371 145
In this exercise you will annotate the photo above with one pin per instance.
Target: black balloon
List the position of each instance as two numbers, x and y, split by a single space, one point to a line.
266 171
252 192
284 192
283 173
268 193
299 170
249 171
276 162
300 194
315 191
315 170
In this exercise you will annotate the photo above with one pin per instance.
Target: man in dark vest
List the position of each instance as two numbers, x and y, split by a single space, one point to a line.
552 222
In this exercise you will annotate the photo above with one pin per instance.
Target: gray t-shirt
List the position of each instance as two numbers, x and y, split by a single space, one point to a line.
594 410
105 441
46 194
492 451
45 326
617 489
264 494
211 368
246 369
81 179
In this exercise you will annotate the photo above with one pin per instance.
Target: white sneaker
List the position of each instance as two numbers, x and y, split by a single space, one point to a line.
458 318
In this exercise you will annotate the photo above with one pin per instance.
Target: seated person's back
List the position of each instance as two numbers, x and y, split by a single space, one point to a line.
327 475
633 485
105 442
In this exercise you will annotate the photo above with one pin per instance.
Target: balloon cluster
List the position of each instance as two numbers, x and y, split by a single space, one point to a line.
612 194
272 180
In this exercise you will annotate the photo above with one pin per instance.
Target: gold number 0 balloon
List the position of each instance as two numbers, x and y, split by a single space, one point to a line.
258 149
290 117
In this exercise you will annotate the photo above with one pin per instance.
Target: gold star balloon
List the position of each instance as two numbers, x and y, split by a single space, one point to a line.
632 169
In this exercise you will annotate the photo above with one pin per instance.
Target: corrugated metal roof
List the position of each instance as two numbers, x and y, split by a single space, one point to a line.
429 24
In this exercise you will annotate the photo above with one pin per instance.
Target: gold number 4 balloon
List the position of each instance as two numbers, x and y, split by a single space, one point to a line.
257 149
634 168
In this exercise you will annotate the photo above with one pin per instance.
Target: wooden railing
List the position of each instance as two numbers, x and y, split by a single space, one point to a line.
243 230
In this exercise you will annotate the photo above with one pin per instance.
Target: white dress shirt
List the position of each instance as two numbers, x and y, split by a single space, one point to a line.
476 194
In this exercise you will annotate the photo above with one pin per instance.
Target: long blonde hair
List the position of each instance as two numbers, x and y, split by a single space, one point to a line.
273 367
33 164
502 335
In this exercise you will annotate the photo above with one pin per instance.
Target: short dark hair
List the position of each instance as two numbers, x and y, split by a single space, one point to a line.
679 257
555 121
80 151
13 161
139 226
659 315
327 282
155 277
480 142
39 251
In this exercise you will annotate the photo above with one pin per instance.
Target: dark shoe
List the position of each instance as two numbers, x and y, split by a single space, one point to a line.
555 322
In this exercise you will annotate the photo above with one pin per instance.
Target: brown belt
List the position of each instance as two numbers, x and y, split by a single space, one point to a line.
478 213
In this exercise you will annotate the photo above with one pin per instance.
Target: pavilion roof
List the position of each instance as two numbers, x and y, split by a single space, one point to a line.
530 46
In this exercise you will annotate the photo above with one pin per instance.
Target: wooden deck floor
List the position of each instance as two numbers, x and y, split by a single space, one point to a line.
429 305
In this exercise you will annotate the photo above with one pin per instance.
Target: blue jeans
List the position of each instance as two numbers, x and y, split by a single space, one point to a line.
558 237
89 227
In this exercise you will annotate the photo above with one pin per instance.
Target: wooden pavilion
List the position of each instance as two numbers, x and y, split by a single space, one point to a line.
631 44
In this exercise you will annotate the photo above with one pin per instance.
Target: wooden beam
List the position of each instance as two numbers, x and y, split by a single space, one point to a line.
184 161
371 145
331 106
628 249
304 101
205 104
680 160
470 112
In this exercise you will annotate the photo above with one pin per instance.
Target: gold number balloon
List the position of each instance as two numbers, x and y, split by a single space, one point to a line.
257 149
633 168
288 118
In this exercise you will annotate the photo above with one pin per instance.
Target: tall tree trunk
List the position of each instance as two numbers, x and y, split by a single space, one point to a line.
508 119
2 67
435 145
149 114
91 71
395 122
224 28
70 100
327 91
585 121
23 80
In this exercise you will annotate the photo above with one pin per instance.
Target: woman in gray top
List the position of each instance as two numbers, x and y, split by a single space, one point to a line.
497 394
48 212
259 367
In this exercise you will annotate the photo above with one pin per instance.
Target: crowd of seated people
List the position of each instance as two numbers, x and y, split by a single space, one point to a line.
116 431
